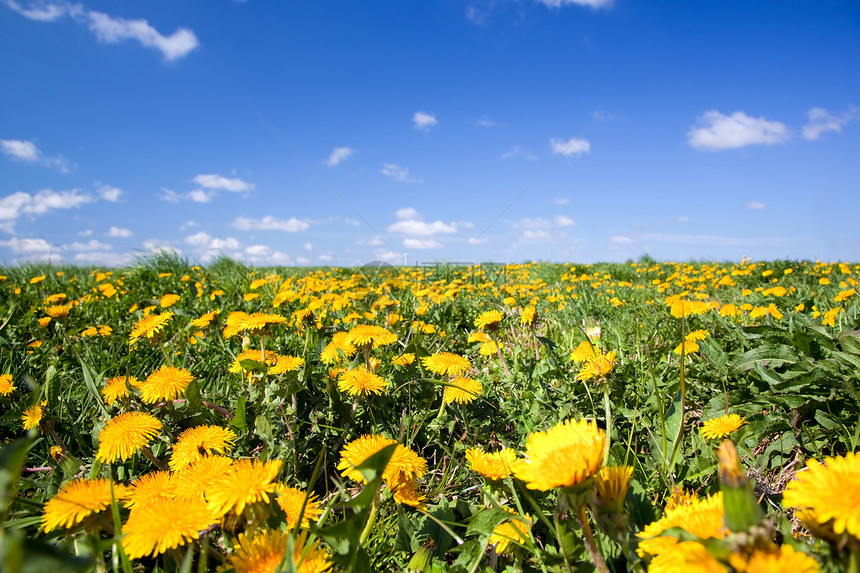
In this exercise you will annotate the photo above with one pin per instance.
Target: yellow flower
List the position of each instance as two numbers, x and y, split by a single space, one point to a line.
150 327
490 348
339 344
511 533
446 363
489 320
462 390
164 524
686 557
234 322
169 300
697 335
7 384
406 493
494 466
778 560
563 456
291 499
258 322
115 389
32 416
403 466
36 280
264 551
585 351
404 359
193 443
722 426
78 499
361 382
166 383
527 315
246 482
286 364
681 308
149 488
597 367
687 347
700 517
612 483
368 334
195 480
831 490
58 311
123 435
205 320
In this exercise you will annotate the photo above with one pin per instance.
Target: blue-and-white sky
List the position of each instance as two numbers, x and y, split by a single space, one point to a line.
337 133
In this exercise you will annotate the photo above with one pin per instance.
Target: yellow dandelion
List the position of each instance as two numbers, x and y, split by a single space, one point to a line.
681 308
368 334
7 384
246 482
701 517
150 327
286 364
489 320
361 382
563 456
195 480
79 499
722 426
356 452
37 280
292 499
478 336
406 493
494 466
149 488
193 443
612 483
339 344
205 320
166 383
115 389
58 311
686 557
164 524
687 347
126 433
527 315
254 355
446 364
585 351
697 335
779 560
258 322
33 415
234 322
404 359
169 300
462 390
597 367
831 491
512 533
264 551
44 322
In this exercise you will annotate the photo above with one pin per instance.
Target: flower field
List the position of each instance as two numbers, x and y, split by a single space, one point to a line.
613 417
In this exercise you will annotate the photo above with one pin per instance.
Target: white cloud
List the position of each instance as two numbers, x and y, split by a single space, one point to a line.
422 244
169 195
118 232
410 222
683 219
714 131
572 146
562 221
111 30
159 246
23 150
424 121
390 257
270 223
214 181
19 203
85 233
820 121
91 245
109 193
621 240
755 205
485 122
189 224
398 173
43 12
264 255
308 247
516 152
408 214
208 247
560 201
339 155
200 239
26 246
325 258
201 195
588 3
104 258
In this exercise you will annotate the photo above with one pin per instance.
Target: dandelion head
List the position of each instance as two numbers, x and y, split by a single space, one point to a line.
722 426
79 499
446 364
246 482
166 523
194 443
7 384
489 320
33 415
291 500
494 466
166 383
511 533
125 434
361 382
462 390
566 455
150 327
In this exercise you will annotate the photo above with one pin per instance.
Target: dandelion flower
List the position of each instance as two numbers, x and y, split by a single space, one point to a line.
193 443
58 311
258 322
164 524
285 364
597 367
166 383
494 466
563 456
115 389
357 451
33 415
264 551
205 320
404 359
123 435
511 533
687 347
339 344
722 426
489 320
584 351
462 390
234 322
406 493
7 384
169 300
246 482
686 557
446 364
361 382
78 499
527 316
196 480
368 334
831 491
701 517
150 326
291 499
778 560
149 488
612 483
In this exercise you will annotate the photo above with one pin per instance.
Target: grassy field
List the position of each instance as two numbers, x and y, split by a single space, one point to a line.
536 417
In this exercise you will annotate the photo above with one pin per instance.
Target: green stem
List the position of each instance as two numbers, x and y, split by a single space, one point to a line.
590 543
167 357
606 407
371 521
502 358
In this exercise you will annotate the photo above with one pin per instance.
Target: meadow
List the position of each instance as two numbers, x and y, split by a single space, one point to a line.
644 416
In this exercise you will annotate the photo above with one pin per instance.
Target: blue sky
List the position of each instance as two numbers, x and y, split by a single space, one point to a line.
336 133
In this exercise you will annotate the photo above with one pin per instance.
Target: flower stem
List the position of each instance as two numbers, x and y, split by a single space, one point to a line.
502 358
371 520
606 407
590 543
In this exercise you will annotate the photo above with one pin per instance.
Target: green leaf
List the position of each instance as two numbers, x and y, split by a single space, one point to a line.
238 420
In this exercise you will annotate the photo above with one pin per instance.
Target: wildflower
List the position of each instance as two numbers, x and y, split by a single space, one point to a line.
527 316
7 384
830 316
58 311
194 443
612 483
37 280
462 390
682 308
33 415
697 335
728 310
687 347
78 499
246 482
360 381
169 300
366 335
205 320
403 359
446 363
258 322
57 452
831 491
687 556
149 488
722 426
123 435
285 364
777 560
264 551
195 480
403 466
700 517
255 356
166 383
234 322
494 466
406 493
597 367
291 500
150 327
489 320
115 389
566 455
512 532
339 344
167 523
490 348
585 351
44 322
